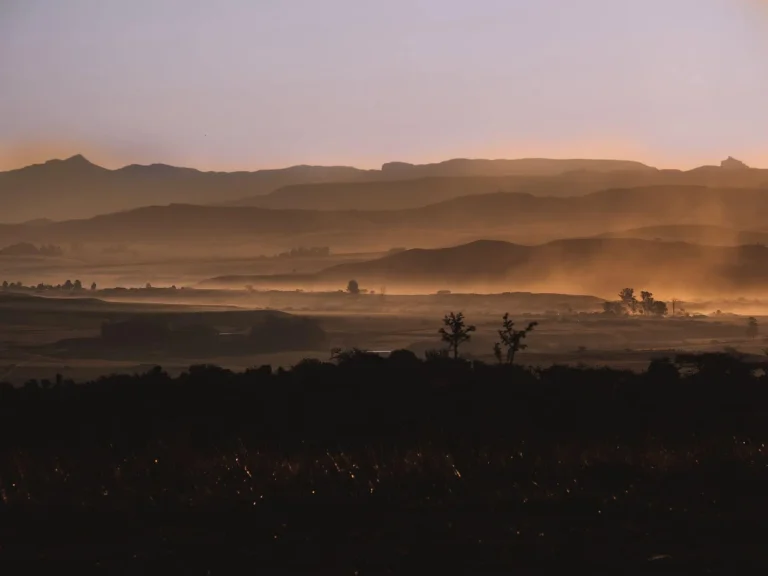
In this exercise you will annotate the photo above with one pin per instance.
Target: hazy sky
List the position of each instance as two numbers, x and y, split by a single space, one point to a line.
266 83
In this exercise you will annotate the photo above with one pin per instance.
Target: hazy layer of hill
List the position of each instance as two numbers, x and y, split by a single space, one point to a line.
576 266
76 188
611 210
402 193
502 215
523 166
696 234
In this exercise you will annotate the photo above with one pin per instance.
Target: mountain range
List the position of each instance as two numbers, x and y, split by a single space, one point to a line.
416 192
499 215
76 188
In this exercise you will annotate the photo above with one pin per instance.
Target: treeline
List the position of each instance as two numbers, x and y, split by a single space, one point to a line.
27 249
67 286
362 399
389 465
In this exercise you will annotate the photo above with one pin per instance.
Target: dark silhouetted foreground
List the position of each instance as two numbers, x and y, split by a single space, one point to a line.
374 465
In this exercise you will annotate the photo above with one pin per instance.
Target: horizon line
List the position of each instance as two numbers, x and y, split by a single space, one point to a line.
81 156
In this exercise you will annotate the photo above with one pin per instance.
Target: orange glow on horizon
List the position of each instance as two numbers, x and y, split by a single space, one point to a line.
13 157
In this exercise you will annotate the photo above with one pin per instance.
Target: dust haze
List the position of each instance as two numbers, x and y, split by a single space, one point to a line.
184 261
383 287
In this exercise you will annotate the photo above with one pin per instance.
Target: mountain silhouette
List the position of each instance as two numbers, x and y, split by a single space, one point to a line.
401 193
498 215
77 188
523 166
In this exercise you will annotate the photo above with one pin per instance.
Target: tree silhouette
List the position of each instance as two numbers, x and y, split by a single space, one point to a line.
93 286
68 285
353 287
646 302
511 340
650 306
628 300
659 308
616 308
753 329
77 285
455 332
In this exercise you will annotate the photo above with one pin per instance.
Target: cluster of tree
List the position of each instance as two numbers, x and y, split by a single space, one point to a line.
68 286
362 399
27 249
628 304
353 287
693 369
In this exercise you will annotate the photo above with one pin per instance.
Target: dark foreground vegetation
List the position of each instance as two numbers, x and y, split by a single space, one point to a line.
385 465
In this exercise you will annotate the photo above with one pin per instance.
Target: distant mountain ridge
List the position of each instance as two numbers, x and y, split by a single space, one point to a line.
420 191
76 188
491 215
522 166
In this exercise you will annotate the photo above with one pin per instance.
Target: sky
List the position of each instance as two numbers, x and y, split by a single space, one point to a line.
250 84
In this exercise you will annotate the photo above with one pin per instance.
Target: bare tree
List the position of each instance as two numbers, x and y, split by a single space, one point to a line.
511 340
455 332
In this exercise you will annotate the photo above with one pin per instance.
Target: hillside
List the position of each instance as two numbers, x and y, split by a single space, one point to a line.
614 209
77 188
575 266
181 223
522 217
404 193
523 166
418 192
696 234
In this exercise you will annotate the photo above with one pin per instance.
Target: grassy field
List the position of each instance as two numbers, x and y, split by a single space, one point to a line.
29 326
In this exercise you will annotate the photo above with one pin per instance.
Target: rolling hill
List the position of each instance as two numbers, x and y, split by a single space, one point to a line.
575 266
523 166
77 188
421 191
695 234
500 215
